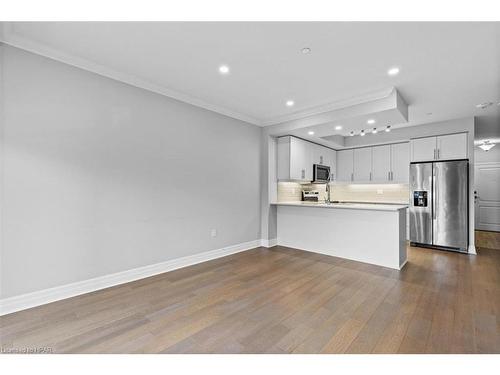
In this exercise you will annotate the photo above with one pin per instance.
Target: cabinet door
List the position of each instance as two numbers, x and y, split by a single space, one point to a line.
381 163
453 146
362 164
319 154
400 163
344 165
308 160
333 165
300 159
423 149
283 156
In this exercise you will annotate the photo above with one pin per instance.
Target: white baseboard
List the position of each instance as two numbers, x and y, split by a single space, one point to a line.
268 243
41 297
472 250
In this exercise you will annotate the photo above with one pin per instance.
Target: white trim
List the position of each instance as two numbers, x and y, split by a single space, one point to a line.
472 250
402 265
329 107
41 297
269 243
10 38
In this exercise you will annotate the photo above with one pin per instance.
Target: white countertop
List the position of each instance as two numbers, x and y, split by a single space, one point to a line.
350 206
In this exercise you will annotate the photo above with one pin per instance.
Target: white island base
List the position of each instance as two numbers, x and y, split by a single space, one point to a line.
373 234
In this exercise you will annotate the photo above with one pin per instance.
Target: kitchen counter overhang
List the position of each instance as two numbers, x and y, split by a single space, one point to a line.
370 233
350 205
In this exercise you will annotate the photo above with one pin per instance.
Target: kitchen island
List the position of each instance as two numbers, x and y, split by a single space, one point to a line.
370 233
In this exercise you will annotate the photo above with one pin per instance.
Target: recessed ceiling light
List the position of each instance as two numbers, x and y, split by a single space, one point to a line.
388 128
223 69
370 121
310 132
393 71
352 133
305 50
486 145
374 131
483 105
338 127
362 133
290 103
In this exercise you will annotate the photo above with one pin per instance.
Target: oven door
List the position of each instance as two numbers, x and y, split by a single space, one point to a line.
321 173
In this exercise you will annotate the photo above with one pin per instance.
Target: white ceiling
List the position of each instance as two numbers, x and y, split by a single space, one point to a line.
446 68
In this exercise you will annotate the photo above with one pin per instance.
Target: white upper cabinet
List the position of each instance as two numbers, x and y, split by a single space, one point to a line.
423 149
345 165
300 160
362 164
400 163
381 163
442 147
333 165
319 154
453 146
296 158
378 164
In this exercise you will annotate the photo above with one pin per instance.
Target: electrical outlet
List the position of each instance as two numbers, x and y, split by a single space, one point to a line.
213 233
380 191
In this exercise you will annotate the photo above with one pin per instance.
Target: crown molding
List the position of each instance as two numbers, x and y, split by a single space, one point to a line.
331 106
7 36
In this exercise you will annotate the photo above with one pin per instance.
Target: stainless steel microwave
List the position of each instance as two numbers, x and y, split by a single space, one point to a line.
321 173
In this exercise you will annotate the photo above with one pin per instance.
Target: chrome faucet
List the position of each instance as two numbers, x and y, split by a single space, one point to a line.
328 188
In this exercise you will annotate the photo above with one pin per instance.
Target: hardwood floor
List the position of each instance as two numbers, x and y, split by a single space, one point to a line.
281 300
488 240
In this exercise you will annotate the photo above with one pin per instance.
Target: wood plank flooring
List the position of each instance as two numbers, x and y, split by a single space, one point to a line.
488 240
280 300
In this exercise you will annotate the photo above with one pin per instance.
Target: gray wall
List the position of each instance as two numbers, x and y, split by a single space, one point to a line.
100 177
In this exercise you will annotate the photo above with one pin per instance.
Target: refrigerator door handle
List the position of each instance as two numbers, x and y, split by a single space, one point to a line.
434 197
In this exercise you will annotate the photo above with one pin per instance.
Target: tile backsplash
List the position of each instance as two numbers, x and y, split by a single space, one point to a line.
380 193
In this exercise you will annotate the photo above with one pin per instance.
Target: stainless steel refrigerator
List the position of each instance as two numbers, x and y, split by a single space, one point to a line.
439 204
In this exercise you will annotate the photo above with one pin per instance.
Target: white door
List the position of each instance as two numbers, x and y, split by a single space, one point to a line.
381 163
344 165
487 196
423 149
362 164
400 163
452 146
